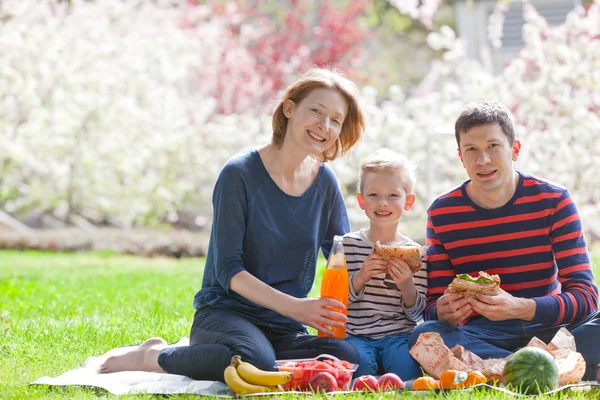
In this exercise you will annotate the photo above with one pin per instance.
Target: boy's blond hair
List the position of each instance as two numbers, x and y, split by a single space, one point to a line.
386 160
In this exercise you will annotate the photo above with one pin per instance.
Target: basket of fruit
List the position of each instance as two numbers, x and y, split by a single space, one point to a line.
324 373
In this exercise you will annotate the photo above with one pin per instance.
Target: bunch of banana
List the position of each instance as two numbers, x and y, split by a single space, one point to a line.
244 378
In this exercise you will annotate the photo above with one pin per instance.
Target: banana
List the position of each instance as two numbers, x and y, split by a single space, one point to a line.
252 374
240 386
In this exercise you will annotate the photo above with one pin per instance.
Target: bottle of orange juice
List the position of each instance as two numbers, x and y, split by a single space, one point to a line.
335 282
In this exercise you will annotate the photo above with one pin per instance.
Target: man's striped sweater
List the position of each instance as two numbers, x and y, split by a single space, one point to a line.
535 243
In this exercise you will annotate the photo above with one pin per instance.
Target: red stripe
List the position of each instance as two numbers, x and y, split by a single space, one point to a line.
570 252
436 290
590 296
586 288
585 297
497 238
531 182
575 268
495 221
575 306
433 242
520 269
564 203
501 254
537 197
528 285
554 292
429 224
441 273
586 301
451 210
568 236
437 257
561 312
565 221
456 193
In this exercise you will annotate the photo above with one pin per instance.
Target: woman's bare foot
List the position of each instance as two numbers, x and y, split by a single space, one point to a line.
142 358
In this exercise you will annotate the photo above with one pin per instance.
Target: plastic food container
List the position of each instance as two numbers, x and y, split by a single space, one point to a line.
304 370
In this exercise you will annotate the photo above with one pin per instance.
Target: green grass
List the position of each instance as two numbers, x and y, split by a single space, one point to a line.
57 309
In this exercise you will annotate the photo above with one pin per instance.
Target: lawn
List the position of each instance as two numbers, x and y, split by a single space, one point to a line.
58 309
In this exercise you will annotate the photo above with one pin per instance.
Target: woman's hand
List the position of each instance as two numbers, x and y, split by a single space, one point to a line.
316 312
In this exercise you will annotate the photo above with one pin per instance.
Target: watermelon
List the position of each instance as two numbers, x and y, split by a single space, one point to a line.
530 370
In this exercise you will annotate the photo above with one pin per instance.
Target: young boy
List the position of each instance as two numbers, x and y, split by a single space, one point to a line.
381 317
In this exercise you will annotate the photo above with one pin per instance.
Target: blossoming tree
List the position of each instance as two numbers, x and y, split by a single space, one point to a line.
111 108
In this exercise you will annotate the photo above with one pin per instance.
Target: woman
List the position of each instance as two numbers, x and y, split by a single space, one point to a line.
273 209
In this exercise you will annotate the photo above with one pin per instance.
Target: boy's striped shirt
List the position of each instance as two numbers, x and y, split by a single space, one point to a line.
535 244
379 311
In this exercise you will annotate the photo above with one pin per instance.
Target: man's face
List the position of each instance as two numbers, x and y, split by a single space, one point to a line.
488 157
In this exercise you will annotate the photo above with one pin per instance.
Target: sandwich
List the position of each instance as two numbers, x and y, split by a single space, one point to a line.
483 284
410 254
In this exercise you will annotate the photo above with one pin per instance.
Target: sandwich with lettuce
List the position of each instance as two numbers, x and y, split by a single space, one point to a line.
483 284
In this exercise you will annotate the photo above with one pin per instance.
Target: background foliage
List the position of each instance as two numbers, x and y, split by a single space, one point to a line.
122 112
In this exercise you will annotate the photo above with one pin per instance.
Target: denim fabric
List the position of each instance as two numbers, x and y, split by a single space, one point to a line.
217 334
389 354
499 339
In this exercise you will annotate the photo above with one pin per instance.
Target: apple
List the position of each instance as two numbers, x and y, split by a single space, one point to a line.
365 383
323 382
390 381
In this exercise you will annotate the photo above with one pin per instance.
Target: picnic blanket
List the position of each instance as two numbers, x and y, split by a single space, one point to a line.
135 382
132 382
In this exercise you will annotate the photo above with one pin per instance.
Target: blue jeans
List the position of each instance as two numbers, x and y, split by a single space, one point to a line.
499 339
216 335
389 354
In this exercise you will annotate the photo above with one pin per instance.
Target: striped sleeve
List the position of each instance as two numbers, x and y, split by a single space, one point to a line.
579 294
356 252
440 271
415 313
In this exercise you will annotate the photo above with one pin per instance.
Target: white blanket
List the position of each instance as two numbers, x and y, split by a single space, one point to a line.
131 382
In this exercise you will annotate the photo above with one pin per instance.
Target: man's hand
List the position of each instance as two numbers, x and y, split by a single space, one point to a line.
503 306
452 308
373 265
318 313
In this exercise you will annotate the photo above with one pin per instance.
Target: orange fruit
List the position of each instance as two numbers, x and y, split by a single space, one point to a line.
474 378
425 383
452 379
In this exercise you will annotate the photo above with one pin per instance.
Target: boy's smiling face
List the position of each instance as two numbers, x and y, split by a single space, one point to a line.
384 198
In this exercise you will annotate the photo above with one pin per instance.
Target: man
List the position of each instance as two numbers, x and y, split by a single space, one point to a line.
524 229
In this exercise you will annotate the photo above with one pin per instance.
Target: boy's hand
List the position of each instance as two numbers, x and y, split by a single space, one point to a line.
400 273
403 277
373 265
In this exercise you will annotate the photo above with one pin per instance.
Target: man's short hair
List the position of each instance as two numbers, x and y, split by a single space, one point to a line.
485 113
385 160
